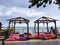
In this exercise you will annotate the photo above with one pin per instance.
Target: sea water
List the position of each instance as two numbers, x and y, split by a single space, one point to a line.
22 30
31 29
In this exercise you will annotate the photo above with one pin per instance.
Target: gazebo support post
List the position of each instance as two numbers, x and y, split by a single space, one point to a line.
9 31
0 28
35 27
14 27
28 29
55 24
56 30
9 24
38 29
47 27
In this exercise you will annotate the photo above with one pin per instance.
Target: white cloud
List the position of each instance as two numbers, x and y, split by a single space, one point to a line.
25 12
30 14
35 13
10 11
21 11
1 13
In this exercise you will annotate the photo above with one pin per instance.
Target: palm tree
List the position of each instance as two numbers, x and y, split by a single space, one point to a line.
58 3
43 3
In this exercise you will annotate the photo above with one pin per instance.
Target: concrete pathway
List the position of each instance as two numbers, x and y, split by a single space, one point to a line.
33 42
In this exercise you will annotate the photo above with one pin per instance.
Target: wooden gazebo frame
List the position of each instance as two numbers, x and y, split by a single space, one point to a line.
17 20
46 20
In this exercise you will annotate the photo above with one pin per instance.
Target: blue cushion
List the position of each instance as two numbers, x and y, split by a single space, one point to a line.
23 38
48 33
43 38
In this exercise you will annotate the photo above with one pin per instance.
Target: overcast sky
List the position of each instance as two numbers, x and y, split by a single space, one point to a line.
19 8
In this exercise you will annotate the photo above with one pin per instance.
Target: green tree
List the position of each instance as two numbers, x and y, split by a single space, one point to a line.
43 3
